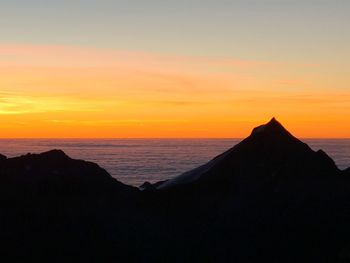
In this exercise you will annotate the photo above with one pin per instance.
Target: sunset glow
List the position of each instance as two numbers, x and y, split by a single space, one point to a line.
81 90
59 91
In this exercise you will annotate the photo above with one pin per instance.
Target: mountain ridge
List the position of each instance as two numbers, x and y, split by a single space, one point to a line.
270 198
270 143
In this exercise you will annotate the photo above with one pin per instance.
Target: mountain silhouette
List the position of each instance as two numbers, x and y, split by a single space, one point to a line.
268 153
57 170
270 198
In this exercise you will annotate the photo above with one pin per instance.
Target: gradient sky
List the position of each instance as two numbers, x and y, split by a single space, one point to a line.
194 68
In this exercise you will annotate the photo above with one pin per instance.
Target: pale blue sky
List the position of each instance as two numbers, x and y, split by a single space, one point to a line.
279 30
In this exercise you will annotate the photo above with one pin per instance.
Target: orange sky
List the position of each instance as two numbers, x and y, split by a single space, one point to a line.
71 91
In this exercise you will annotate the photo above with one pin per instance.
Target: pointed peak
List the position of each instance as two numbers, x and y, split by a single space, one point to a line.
273 127
274 123
273 120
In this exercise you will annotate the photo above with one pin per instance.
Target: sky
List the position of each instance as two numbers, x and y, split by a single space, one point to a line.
195 68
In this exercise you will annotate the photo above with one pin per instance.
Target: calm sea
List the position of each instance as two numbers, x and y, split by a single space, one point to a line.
134 161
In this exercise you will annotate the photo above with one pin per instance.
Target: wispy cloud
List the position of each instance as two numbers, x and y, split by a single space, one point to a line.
89 90
22 103
87 56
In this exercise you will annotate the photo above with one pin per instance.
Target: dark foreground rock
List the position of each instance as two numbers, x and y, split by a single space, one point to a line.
268 199
2 157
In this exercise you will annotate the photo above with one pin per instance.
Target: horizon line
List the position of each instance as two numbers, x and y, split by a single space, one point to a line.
155 138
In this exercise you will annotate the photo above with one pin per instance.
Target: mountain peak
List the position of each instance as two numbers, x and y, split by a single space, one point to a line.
268 151
273 121
273 128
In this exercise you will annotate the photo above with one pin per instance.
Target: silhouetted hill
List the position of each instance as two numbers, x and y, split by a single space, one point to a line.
56 168
54 208
270 153
270 198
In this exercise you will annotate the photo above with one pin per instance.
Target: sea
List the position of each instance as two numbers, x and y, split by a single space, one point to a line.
134 161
